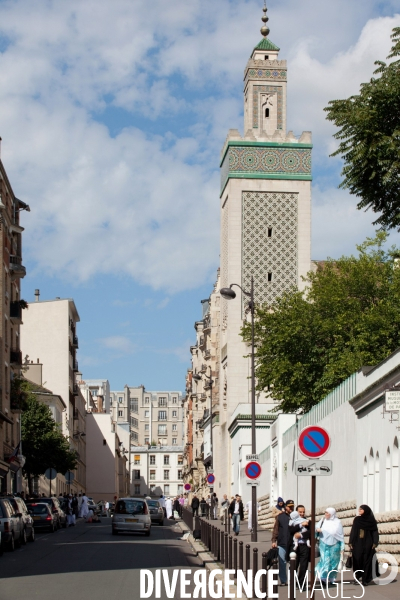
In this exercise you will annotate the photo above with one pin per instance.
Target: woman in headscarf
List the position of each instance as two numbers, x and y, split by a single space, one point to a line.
364 538
280 505
331 545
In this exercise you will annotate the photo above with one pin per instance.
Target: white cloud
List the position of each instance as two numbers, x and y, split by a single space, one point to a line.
146 206
119 343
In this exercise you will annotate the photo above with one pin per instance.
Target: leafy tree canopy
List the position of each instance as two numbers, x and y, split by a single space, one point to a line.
43 443
369 130
349 316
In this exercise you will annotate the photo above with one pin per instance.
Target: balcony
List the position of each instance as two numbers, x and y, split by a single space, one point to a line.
207 354
16 312
76 414
203 396
201 341
16 267
75 388
76 368
203 368
75 343
15 357
207 385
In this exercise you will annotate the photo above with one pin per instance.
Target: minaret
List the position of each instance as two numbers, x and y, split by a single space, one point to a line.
265 228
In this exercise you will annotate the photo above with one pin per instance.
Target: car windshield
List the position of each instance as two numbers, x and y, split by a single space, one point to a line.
39 509
153 503
130 507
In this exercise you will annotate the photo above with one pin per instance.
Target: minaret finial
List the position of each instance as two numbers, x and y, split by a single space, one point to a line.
264 29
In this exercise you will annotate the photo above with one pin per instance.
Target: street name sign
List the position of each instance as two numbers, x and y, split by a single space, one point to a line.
313 467
252 457
392 400
253 482
314 441
253 470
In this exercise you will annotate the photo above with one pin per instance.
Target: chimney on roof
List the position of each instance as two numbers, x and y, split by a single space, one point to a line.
37 294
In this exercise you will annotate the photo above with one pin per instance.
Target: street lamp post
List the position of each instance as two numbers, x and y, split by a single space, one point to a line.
229 294
197 377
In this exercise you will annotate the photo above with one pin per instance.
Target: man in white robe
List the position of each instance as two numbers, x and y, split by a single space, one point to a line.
168 507
84 507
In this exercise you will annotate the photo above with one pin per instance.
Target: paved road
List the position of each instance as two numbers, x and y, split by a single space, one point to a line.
86 561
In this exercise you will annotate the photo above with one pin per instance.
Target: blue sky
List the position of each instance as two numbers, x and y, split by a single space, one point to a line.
113 116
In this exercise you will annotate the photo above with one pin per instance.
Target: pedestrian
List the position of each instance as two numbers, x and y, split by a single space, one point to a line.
224 507
203 507
215 505
176 507
69 512
84 507
237 513
364 538
280 505
168 507
181 504
195 505
186 501
162 502
249 507
75 506
79 503
331 546
299 530
281 539
107 508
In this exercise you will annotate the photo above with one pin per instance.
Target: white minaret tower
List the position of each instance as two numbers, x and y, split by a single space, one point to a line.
265 232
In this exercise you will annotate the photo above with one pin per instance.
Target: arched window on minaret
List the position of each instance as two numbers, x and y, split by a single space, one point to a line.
267 113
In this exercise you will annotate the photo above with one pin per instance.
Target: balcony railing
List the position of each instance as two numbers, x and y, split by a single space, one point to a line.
75 341
203 368
76 368
15 357
16 266
207 354
203 396
16 311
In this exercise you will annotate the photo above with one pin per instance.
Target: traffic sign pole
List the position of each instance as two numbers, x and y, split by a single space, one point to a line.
313 498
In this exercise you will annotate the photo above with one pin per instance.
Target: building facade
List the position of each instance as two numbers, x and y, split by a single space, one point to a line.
157 470
152 416
12 305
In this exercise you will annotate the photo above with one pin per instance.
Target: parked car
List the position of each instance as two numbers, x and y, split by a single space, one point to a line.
59 514
43 516
27 529
156 511
10 525
93 506
130 515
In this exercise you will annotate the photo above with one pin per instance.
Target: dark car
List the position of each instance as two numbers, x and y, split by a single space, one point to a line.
10 525
43 516
156 511
27 529
59 514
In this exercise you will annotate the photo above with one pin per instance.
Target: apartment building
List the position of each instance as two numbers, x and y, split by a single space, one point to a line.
153 417
100 393
12 271
157 470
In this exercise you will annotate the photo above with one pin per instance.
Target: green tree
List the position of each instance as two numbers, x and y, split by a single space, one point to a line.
43 443
369 130
349 316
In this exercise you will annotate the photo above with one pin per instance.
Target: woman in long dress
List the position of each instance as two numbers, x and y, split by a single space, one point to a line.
168 507
84 507
331 545
364 538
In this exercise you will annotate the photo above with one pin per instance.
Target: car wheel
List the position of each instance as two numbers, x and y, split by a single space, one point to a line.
11 544
23 537
147 533
32 536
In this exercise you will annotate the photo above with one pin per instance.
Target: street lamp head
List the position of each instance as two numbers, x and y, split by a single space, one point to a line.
196 377
227 293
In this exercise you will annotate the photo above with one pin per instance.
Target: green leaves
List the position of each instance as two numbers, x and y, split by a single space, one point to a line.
369 130
43 443
349 316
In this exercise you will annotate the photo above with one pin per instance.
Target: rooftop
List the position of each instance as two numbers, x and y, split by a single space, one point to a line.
266 44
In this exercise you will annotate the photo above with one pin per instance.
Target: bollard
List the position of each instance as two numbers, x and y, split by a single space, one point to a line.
275 565
241 556
248 566
215 542
226 519
264 577
230 552
229 523
292 571
218 544
222 547
235 556
209 536
255 569
226 550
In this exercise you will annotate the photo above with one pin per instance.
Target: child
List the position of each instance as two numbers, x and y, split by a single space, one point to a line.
296 519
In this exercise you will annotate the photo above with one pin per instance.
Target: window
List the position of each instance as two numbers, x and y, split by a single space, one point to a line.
174 413
166 459
147 427
152 459
173 441
146 440
134 436
162 402
267 113
120 399
146 400
166 474
120 413
166 490
137 459
134 404
269 231
162 430
152 475
174 427
179 474
146 414
266 57
137 488
136 474
180 489
162 415
134 422
180 459
269 276
174 400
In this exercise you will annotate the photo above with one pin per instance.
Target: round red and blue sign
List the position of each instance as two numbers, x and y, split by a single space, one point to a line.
210 478
253 470
187 487
314 441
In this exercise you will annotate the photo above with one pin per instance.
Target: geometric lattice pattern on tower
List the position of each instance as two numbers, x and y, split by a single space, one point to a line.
224 264
272 260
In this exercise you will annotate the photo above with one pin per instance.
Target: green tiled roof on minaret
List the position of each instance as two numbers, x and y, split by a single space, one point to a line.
266 44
